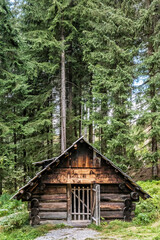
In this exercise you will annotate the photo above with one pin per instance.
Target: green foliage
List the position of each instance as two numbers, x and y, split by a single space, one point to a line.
14 220
115 47
8 206
26 232
149 210
95 227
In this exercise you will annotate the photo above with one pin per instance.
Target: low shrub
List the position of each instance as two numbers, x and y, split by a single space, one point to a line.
149 210
14 220
8 206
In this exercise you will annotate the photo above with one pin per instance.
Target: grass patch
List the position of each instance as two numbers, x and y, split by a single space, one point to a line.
146 224
27 232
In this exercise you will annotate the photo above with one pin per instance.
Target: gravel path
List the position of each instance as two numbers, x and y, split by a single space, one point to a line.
71 234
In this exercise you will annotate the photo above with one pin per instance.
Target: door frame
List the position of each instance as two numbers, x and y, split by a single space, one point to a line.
94 206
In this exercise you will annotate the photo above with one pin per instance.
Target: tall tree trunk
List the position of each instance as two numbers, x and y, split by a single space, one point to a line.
154 142
80 111
1 170
24 166
15 153
90 111
0 181
70 132
15 158
63 97
75 122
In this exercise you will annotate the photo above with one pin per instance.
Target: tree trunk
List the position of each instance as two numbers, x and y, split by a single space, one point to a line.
80 111
90 111
24 166
15 153
0 181
70 132
154 142
63 98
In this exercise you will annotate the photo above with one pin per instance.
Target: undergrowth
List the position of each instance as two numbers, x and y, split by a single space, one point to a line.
14 223
8 206
149 210
145 225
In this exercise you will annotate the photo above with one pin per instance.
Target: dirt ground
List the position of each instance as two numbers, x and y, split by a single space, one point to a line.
143 174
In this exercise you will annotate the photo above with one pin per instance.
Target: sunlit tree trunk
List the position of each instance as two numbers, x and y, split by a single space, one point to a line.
63 97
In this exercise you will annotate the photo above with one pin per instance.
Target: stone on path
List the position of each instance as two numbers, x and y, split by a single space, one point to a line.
70 234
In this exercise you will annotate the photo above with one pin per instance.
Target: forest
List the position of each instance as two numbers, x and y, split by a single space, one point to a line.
72 68
77 68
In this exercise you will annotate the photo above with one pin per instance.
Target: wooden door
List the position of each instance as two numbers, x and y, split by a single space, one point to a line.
81 203
96 204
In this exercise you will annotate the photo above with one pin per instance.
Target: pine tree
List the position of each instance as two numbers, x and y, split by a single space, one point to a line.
44 36
13 89
108 41
148 31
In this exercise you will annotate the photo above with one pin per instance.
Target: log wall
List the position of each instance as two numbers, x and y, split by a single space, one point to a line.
116 203
49 205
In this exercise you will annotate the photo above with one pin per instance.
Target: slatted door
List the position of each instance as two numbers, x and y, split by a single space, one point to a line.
81 198
96 204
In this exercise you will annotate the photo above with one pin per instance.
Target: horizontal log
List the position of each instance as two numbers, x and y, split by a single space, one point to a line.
60 206
113 197
113 188
51 189
82 171
80 223
52 198
53 215
112 214
44 221
82 176
111 206
81 179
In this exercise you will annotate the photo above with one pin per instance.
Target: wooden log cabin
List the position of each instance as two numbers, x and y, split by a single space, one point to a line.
79 187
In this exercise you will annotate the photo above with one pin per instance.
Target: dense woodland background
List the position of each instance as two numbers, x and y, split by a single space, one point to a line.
94 63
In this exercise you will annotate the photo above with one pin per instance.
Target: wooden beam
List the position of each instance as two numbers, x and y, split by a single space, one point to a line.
112 214
54 215
56 206
69 202
114 197
113 206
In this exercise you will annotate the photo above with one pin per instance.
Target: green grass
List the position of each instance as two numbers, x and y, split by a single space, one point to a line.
146 226
27 232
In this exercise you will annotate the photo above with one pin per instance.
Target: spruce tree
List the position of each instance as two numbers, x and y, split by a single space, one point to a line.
148 32
108 41
13 89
